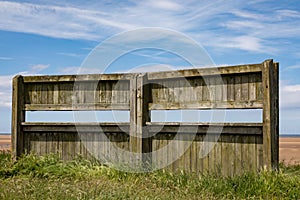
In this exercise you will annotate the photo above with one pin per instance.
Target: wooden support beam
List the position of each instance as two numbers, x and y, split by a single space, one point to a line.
270 114
18 116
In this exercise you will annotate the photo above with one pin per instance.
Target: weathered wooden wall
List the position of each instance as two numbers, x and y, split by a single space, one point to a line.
240 146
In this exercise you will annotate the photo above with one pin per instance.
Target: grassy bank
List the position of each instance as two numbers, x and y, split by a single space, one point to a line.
47 177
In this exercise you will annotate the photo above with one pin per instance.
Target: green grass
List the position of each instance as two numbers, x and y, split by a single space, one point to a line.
33 177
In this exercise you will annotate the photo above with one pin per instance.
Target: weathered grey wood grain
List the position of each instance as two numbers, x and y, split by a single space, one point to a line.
241 146
18 116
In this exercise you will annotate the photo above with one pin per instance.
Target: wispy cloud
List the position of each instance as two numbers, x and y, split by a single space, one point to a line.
5 58
80 70
297 66
240 26
76 55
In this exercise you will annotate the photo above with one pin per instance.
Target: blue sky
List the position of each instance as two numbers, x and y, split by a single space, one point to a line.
47 37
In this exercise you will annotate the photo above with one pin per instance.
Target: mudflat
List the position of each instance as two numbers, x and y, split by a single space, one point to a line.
289 148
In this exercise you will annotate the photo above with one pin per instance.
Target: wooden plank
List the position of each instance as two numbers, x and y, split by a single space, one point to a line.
116 92
39 94
75 106
219 88
133 113
206 158
199 144
203 129
245 154
187 154
77 78
198 89
194 156
206 105
34 143
101 85
205 90
42 137
49 88
180 143
34 97
259 149
61 94
252 153
205 71
27 93
218 154
275 118
69 90
77 145
259 87
18 116
154 92
173 153
26 143
224 85
55 94
212 154
170 87
231 154
54 148
212 89
72 145
268 112
252 87
237 88
245 87
143 116
108 91
239 159
187 90
73 127
230 88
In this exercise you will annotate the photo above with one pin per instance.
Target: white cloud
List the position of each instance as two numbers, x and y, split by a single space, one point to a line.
289 95
37 68
164 4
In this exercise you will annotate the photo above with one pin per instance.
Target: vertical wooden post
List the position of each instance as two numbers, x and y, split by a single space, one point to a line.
139 114
276 115
18 116
143 116
270 114
134 142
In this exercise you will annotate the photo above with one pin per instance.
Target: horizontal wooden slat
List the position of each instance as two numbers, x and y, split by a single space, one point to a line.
72 78
206 71
70 107
74 127
202 128
207 105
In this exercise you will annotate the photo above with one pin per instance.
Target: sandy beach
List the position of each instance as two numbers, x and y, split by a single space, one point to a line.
4 142
289 148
